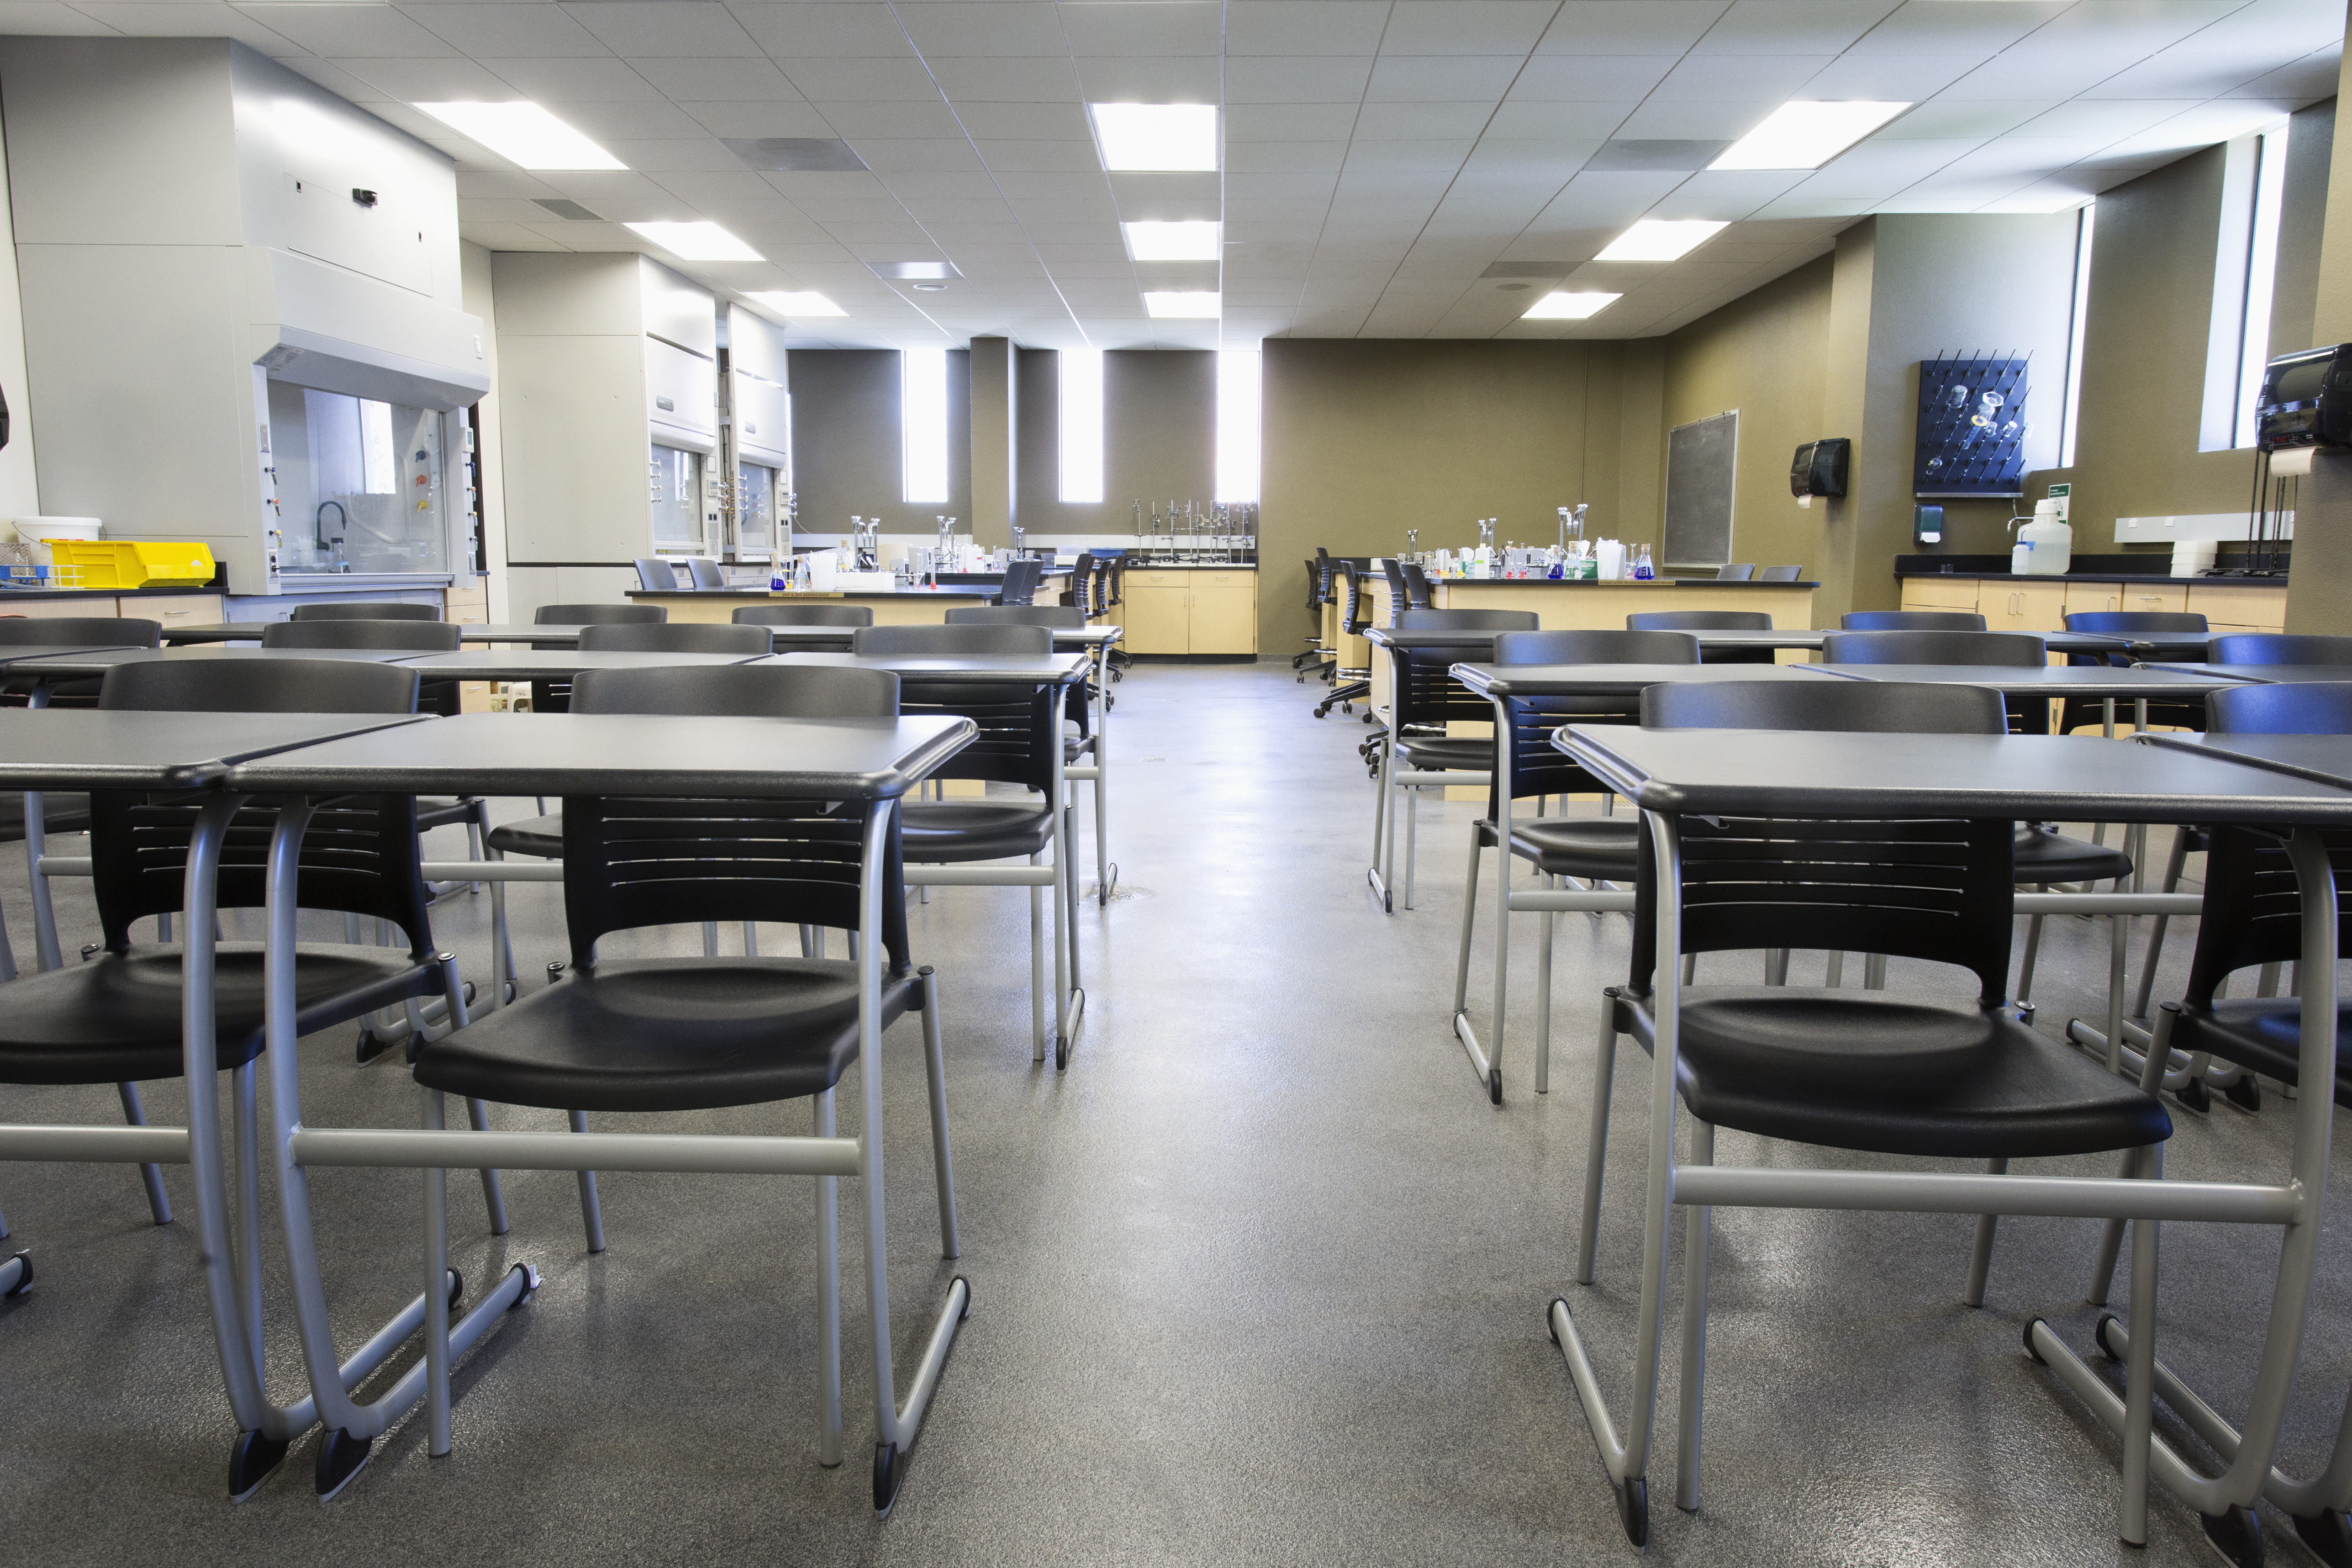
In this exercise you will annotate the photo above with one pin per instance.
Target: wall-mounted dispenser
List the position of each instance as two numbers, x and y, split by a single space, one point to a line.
1927 524
1820 467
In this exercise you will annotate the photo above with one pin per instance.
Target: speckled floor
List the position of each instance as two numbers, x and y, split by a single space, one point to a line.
1260 1279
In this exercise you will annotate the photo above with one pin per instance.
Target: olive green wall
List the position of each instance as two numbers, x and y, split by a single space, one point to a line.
1160 438
848 451
1365 438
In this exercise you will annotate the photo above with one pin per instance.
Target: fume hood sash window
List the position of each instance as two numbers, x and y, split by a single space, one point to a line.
360 484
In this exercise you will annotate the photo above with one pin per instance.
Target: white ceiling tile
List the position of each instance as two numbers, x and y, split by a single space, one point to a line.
1389 186
842 28
1420 156
334 78
1297 78
1163 78
860 79
511 183
1609 199
2105 120
1691 119
191 19
1012 122
1566 78
944 29
1304 27
1518 122
609 122
427 81
1051 182
1122 27
1398 78
1977 118
682 155
1285 157
2304 81
584 79
339 31
1888 78
1288 123
912 185
507 236
1007 80
1751 79
941 156
1161 186
1792 27
1799 204
1500 161
1040 157
1727 196
1880 168
1389 122
736 80
1629 26
1466 26
818 186
662 26
2205 66
510 30
2200 126
758 120
1957 27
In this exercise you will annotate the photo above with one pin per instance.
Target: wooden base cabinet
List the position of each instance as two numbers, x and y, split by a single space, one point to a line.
1189 612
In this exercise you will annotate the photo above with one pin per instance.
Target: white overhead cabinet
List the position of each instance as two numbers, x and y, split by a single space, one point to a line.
242 319
609 404
758 437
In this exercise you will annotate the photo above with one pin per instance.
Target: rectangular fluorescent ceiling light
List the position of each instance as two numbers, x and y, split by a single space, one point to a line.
789 303
1156 135
523 134
701 241
1655 240
1195 241
1807 135
1171 303
1569 307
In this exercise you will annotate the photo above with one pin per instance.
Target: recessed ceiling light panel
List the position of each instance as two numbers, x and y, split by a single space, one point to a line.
1800 135
1184 305
523 134
1659 240
1569 307
786 302
697 241
1192 241
1156 135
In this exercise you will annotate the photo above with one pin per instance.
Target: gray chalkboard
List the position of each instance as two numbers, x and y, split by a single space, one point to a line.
1701 458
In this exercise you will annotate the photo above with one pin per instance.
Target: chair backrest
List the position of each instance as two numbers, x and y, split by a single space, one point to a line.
1781 575
656 575
359 854
630 862
2021 650
1416 585
1699 621
1321 572
704 572
805 615
1067 617
2130 623
1926 888
415 636
1911 621
677 637
335 610
86 631
596 614
1400 601
949 642
1082 586
1425 620
2284 708
1727 573
1021 578
1352 617
2275 647
1596 648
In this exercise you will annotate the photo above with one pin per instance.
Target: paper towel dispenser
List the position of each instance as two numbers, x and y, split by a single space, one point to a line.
2307 400
1820 467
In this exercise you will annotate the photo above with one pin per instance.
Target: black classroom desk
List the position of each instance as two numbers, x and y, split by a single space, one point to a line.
2261 674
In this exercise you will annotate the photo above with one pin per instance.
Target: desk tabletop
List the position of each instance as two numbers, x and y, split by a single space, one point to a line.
2261 674
1608 680
658 755
968 669
75 666
95 748
2325 759
551 664
2042 679
2057 778
23 653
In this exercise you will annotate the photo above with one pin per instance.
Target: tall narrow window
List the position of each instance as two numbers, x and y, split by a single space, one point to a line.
1239 401
1081 386
2246 265
923 418
2084 221
2262 276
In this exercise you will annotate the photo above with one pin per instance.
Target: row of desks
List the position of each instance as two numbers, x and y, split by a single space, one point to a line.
795 638
49 664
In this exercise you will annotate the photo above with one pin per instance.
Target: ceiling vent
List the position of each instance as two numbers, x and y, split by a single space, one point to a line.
572 212
1682 156
794 154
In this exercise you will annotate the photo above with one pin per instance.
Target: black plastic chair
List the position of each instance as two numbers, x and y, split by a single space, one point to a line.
704 573
377 610
1863 1071
1709 621
1781 575
950 641
1082 586
1065 617
669 1033
1424 699
70 631
2279 647
1911 621
1019 585
387 636
1320 572
1416 585
1350 683
555 696
118 1018
1735 574
2078 712
805 615
656 575
677 636
1635 645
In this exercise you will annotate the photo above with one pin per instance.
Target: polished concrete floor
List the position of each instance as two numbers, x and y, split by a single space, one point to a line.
1260 1279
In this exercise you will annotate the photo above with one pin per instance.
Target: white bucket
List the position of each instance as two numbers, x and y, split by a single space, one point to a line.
34 528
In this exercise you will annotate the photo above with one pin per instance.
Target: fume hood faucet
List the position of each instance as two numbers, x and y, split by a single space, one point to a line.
318 525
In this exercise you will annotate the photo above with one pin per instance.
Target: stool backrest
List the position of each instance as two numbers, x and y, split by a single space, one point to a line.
805 615
384 610
359 854
414 636
2285 707
596 614
1082 586
1067 617
2021 650
1354 609
1911 621
656 575
677 637
704 572
2129 623
2274 647
1730 573
86 631
1596 648
1416 585
949 641
1400 600
1467 621
1781 575
1699 621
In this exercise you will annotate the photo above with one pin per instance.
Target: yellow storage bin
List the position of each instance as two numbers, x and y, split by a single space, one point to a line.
135 562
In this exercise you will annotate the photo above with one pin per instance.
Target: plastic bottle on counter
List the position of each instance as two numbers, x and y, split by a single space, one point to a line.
1610 554
1642 570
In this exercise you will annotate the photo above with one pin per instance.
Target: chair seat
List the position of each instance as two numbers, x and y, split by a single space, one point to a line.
539 836
1603 846
672 1034
442 813
117 1018
2263 1033
1446 753
59 814
1868 1071
945 832
2043 855
1077 746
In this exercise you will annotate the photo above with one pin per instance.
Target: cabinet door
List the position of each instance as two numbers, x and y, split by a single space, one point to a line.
1225 612
2237 607
1157 615
1946 593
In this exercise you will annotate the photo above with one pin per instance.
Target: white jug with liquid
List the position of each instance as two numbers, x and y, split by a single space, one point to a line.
1610 553
2045 546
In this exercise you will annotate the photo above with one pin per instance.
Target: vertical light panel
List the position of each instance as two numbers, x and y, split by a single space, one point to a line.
1239 404
923 418
2081 305
1080 372
2262 276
